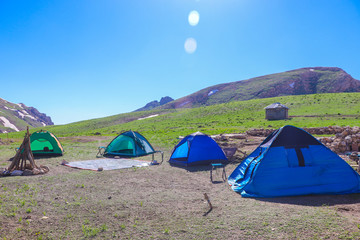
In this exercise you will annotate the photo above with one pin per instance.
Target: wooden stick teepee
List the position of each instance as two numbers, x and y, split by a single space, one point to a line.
23 155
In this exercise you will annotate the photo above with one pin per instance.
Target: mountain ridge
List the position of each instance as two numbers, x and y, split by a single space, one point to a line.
155 104
309 80
17 116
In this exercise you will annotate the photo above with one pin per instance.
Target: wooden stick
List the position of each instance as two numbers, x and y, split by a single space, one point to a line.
15 161
21 167
210 205
208 200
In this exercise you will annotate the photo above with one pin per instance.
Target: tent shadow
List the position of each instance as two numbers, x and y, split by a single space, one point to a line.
202 168
47 156
40 157
316 200
218 182
199 168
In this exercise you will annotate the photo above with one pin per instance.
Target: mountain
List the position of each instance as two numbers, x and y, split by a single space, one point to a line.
155 104
296 82
15 117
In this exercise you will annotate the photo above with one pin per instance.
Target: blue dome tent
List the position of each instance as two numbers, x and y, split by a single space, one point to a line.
197 149
291 162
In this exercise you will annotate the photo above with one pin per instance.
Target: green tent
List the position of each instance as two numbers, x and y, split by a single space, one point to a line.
44 143
129 144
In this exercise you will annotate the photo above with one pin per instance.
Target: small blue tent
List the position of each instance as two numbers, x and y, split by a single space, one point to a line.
197 149
291 162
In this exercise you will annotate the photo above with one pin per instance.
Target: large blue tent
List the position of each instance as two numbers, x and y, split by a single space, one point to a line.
197 149
291 162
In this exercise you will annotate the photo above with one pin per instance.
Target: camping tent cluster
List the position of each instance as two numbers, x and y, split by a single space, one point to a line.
194 149
288 162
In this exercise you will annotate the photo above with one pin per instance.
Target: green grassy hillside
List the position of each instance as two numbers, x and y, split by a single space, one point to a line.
341 109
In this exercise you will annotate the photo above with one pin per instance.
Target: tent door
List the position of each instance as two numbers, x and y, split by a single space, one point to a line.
299 156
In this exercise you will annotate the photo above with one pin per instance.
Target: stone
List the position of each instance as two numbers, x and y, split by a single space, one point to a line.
348 139
355 147
354 156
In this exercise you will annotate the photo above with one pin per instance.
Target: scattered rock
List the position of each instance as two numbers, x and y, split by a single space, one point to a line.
346 209
27 172
354 156
64 162
235 136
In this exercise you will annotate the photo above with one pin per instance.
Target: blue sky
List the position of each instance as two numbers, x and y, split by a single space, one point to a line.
84 59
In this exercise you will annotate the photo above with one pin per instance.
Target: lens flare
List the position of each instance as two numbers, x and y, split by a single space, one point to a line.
193 18
190 45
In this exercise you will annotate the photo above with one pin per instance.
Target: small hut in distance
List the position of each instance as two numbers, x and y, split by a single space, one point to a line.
276 111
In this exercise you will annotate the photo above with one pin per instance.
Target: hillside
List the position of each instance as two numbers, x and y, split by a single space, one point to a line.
15 117
296 82
163 127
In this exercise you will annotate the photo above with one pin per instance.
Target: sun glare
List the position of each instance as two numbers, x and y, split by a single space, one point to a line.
190 45
193 18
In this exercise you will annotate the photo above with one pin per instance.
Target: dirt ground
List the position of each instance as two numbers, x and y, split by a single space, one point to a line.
160 202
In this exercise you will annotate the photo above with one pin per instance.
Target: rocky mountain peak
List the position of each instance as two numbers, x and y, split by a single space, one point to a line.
16 117
155 103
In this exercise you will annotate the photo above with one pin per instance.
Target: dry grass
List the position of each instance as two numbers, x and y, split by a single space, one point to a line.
158 202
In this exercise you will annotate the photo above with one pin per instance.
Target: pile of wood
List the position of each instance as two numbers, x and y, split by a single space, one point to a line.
24 159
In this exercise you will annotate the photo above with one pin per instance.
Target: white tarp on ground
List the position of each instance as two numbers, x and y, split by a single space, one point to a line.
108 164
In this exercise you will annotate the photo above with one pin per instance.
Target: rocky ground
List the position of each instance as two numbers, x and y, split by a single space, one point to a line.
344 141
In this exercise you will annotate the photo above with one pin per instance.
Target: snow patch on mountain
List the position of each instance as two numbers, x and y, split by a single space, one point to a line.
184 103
212 92
7 123
151 116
